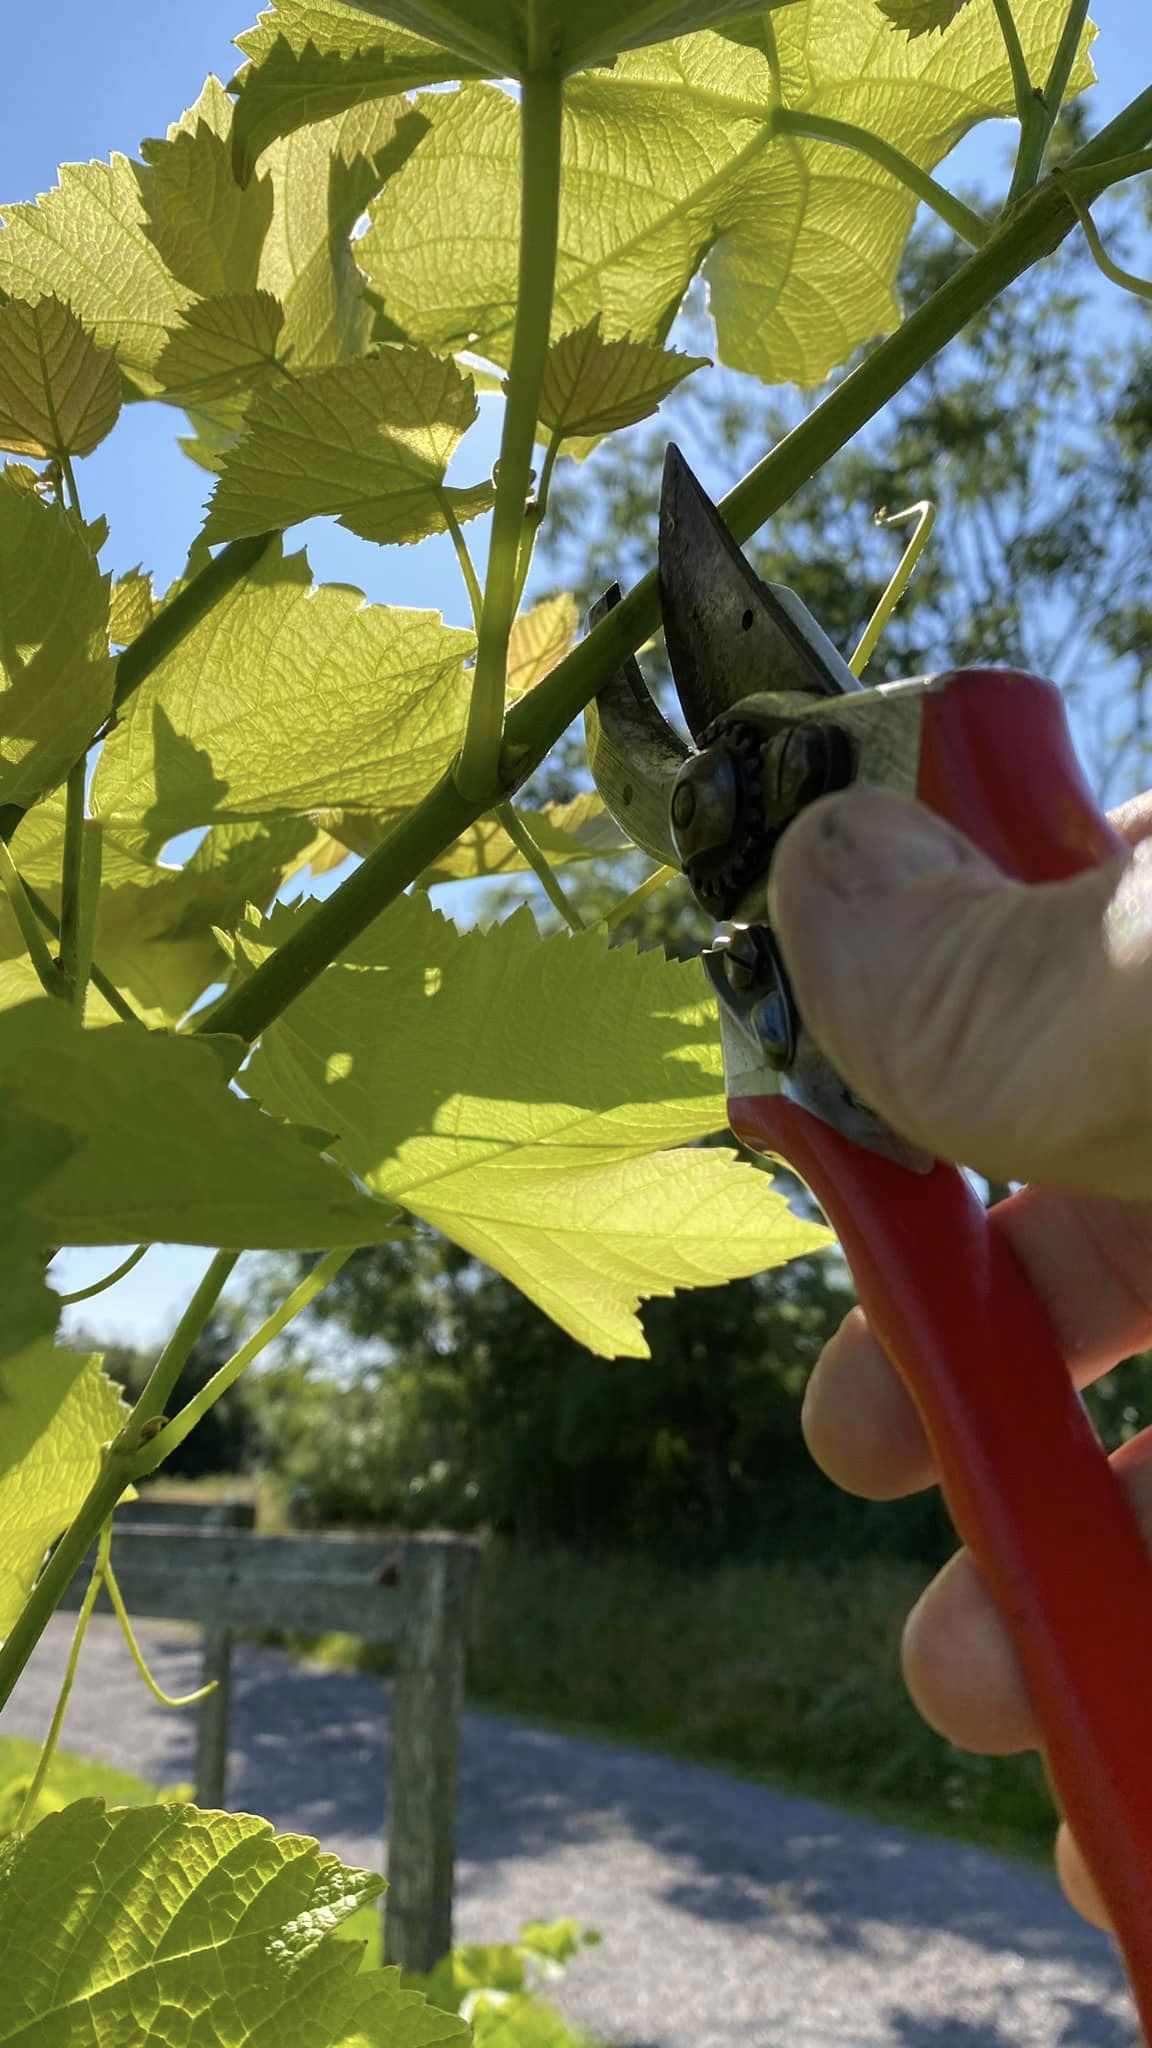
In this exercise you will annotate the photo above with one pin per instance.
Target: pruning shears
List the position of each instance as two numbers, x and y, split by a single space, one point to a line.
778 719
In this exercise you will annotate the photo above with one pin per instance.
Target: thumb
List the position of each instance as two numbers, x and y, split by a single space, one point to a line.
1006 1026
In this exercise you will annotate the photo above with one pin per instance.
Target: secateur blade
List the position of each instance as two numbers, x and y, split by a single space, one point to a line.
729 634
633 752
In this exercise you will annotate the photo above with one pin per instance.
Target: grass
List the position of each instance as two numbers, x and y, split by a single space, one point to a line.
70 1777
788 1673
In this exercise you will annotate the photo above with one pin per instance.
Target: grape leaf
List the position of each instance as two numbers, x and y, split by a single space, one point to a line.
226 725
593 386
56 676
59 1410
59 392
156 924
222 345
190 1929
131 607
322 179
538 642
208 229
161 1150
510 1090
920 17
670 167
312 60
507 37
369 441
84 242
332 28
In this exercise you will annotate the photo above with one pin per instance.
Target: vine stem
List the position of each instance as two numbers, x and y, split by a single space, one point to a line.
508 816
1037 131
1026 101
108 989
118 1470
51 1740
963 220
925 516
541 108
72 879
1036 227
158 1448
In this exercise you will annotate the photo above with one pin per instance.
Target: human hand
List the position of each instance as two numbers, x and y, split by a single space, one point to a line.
1011 1028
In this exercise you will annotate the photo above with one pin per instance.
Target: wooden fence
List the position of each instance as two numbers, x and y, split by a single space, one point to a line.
416 1591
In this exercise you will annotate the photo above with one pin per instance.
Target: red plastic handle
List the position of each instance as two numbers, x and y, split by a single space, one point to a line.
1026 1480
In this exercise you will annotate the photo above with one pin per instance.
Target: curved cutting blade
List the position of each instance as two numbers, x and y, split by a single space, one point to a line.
729 634
633 752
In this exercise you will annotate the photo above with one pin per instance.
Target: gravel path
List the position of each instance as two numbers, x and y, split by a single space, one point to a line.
733 1917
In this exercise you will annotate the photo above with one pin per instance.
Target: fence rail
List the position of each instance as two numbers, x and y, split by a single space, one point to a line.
414 1590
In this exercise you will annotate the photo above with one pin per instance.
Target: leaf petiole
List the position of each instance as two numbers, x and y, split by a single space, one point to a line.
541 104
155 1451
111 994
467 567
963 220
924 514
521 837
1036 132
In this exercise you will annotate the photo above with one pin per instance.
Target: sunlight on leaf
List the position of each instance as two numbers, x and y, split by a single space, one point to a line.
210 1928
160 1148
57 1411
538 642
225 726
222 345
593 386
369 441
512 1091
670 168
56 676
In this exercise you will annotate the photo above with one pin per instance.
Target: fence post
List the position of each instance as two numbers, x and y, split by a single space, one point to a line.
438 1575
212 1719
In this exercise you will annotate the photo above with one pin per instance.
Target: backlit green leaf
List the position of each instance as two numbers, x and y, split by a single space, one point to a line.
512 36
56 676
315 58
156 924
221 346
227 725
209 229
369 441
593 386
130 608
57 1411
84 242
59 392
538 642
918 17
191 1929
671 167
161 1149
322 179
509 1090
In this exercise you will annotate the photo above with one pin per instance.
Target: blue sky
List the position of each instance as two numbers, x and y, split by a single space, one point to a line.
97 79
